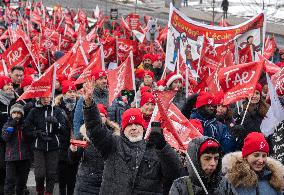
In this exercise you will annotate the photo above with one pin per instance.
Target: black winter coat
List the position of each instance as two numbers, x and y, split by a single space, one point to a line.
130 168
36 126
17 145
90 171
64 139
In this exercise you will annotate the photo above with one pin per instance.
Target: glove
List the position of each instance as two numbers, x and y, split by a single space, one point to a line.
51 119
10 129
158 140
13 123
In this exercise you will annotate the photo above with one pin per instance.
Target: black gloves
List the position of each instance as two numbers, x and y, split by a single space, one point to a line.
13 123
157 139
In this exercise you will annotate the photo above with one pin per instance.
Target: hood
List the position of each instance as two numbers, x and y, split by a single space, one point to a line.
39 105
239 173
193 149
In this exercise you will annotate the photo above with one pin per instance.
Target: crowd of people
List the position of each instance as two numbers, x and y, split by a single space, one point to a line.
88 146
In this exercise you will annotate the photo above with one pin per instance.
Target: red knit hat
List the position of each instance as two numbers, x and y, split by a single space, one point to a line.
219 97
172 77
205 98
102 109
254 142
147 97
132 116
149 73
209 143
4 80
98 74
68 86
148 56
258 87
139 73
26 81
145 89
157 57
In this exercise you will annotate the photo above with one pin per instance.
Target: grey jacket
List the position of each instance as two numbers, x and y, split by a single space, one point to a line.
190 185
130 168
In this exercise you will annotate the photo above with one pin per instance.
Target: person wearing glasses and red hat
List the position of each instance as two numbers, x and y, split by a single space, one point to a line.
132 164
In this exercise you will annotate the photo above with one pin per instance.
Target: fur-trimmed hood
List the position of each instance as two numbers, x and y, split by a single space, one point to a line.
239 173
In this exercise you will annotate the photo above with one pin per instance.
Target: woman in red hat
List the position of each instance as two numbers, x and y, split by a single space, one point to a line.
252 171
256 111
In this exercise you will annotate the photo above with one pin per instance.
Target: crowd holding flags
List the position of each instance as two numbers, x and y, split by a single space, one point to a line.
64 52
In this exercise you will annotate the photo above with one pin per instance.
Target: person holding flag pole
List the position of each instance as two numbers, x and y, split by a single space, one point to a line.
44 123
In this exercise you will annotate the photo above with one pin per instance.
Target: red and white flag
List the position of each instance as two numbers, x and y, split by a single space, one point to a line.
41 87
95 64
269 47
124 46
239 81
269 66
17 54
177 129
245 55
120 78
278 81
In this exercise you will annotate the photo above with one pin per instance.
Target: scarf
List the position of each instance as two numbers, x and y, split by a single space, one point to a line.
6 98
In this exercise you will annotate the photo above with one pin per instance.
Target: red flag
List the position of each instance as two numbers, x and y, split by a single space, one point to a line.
124 48
178 131
16 54
278 81
94 65
239 81
41 87
245 55
120 78
69 31
269 67
109 47
269 47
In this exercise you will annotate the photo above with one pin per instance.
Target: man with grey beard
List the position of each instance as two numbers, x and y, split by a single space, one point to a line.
132 164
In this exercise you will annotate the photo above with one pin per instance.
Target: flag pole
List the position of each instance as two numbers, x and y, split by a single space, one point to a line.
5 68
53 87
186 82
103 57
133 78
116 46
196 172
246 111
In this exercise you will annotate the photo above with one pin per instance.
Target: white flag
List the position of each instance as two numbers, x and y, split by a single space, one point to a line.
275 113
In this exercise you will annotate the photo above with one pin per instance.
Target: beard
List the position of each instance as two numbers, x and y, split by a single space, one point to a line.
135 139
207 114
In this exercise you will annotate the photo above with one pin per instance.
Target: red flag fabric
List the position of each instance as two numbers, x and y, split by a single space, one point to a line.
16 54
269 47
278 81
239 81
178 131
269 66
119 79
223 23
41 87
94 65
245 55
124 48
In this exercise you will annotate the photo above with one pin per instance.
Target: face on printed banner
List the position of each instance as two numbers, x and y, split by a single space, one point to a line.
185 33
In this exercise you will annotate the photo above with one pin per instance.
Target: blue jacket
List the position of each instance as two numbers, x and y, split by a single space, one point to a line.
100 97
217 130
